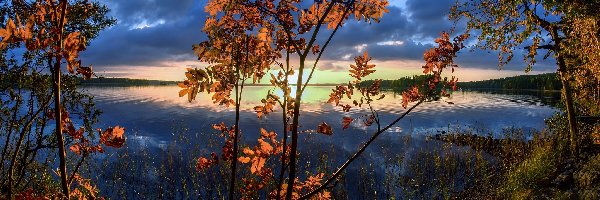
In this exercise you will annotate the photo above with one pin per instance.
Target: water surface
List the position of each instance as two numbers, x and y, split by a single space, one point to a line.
167 132
154 113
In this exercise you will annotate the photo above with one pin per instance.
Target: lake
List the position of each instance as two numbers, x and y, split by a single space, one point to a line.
155 118
152 112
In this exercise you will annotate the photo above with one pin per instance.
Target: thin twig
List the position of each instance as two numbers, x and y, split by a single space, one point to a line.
359 152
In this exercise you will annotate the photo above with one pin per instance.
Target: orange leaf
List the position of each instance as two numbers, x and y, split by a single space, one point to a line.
183 92
182 85
248 151
75 149
244 159
257 164
265 147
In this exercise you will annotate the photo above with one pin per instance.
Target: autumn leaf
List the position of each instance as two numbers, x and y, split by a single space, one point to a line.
183 84
369 121
86 72
183 92
75 149
346 122
315 49
262 34
203 164
361 68
248 151
243 159
346 108
324 128
265 147
259 111
112 137
257 164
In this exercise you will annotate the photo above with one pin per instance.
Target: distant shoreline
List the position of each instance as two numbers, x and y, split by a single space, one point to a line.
127 82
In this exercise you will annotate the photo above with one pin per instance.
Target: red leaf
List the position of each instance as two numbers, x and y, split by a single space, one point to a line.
346 122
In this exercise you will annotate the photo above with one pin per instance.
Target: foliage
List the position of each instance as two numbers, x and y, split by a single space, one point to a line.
49 32
530 177
246 37
582 38
400 84
548 81
275 33
588 178
567 31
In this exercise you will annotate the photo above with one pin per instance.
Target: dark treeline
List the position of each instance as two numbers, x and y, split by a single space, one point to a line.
102 81
123 82
547 81
401 83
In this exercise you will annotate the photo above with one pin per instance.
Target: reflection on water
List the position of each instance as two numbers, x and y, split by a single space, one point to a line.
152 112
158 117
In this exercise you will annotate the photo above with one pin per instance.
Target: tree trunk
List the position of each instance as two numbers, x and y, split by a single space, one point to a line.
57 110
238 98
59 137
568 98
292 174
285 128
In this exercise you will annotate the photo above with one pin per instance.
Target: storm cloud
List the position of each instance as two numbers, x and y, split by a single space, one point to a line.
156 33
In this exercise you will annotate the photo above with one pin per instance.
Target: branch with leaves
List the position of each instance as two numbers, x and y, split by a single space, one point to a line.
44 30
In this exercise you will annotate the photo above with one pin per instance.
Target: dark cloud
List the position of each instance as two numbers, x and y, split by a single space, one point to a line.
136 11
177 25
398 25
429 18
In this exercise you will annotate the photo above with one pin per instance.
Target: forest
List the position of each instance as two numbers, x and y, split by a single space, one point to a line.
547 81
252 119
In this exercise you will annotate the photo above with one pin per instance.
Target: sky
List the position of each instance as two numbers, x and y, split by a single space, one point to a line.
153 40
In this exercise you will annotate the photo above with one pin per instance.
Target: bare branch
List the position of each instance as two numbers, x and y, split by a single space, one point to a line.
325 46
359 152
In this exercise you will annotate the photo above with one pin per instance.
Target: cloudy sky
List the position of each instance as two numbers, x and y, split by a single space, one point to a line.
153 40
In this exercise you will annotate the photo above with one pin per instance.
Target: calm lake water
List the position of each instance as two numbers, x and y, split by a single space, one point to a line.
156 117
153 114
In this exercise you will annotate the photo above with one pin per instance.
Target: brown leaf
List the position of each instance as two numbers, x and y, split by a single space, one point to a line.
86 72
346 122
315 49
324 128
